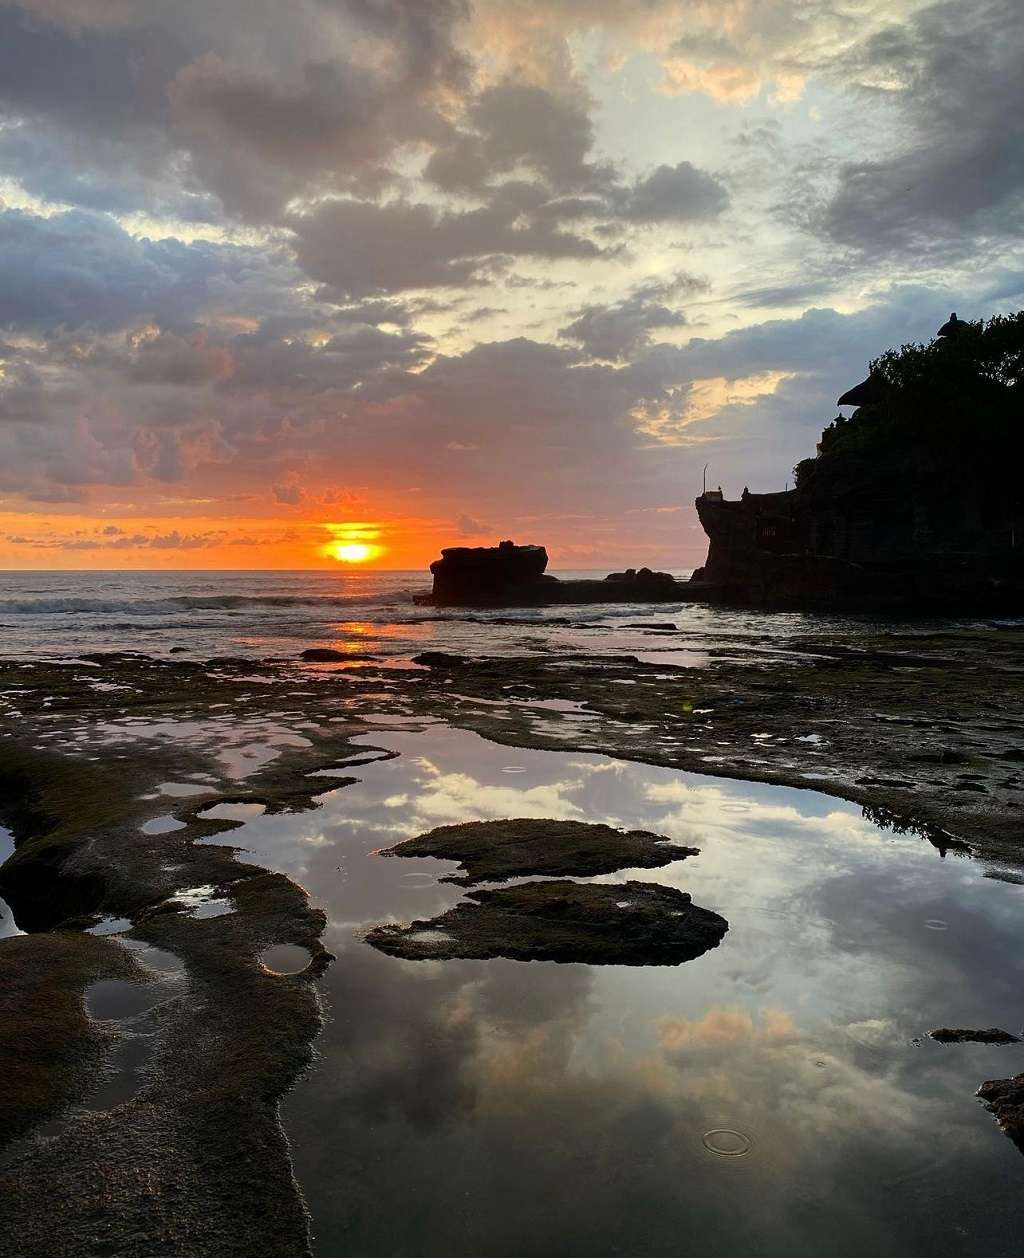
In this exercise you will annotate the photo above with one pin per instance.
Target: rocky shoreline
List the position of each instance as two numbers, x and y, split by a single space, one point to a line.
915 728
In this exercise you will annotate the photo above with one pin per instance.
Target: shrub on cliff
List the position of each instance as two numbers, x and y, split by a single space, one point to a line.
951 406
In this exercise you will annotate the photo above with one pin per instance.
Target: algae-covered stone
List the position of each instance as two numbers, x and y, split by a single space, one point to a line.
631 923
493 851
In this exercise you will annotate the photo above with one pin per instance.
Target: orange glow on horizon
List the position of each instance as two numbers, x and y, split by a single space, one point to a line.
353 542
105 540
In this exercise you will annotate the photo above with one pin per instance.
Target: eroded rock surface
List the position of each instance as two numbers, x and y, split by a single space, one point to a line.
1005 1099
493 851
631 923
960 1035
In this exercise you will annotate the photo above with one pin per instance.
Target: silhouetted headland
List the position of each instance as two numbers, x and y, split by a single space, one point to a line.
913 503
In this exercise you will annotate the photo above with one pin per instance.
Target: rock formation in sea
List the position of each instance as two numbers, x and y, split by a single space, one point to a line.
508 575
487 571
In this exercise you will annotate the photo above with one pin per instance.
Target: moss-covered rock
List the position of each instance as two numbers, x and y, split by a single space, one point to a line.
494 851
630 923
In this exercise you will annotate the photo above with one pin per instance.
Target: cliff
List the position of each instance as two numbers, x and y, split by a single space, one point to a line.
914 502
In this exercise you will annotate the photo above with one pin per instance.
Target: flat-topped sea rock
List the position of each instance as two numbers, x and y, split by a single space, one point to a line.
483 573
629 923
493 851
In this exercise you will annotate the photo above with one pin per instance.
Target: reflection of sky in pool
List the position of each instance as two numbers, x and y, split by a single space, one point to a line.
536 1110
8 926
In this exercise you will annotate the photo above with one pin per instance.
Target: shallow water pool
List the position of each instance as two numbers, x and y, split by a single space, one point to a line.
772 1097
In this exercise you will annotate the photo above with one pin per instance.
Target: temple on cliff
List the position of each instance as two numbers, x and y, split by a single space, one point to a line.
913 502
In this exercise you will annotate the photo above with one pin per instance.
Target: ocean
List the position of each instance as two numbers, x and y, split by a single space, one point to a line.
260 614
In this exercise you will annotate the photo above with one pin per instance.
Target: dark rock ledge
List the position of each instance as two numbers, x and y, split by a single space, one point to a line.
630 923
959 1035
493 851
1005 1099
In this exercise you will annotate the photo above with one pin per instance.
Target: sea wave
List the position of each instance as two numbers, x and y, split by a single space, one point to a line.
189 602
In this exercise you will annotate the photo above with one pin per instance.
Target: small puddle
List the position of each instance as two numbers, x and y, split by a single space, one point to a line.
203 902
162 825
233 812
110 926
130 1006
285 959
8 926
113 999
184 790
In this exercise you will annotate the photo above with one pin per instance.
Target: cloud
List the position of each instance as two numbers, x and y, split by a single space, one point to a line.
260 135
953 76
618 331
289 495
327 93
79 268
512 125
468 527
360 248
676 194
401 172
173 540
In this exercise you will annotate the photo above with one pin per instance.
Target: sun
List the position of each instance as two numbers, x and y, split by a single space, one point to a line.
353 542
353 552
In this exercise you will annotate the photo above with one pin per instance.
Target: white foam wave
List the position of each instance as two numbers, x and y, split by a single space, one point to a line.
177 604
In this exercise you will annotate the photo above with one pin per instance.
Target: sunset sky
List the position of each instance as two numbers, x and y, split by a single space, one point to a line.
285 283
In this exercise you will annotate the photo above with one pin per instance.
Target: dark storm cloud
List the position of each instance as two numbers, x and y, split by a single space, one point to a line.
955 73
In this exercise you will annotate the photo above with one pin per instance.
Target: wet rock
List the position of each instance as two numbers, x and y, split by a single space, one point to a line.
938 755
472 574
327 655
492 851
1005 1099
631 923
642 577
439 659
959 1035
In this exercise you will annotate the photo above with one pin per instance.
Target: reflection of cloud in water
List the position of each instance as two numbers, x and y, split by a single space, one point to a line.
447 798
531 1110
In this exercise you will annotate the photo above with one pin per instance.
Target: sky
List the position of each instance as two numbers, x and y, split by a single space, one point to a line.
283 285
